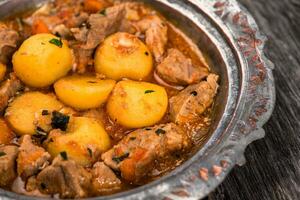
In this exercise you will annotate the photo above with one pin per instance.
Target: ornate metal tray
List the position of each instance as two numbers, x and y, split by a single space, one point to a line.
228 33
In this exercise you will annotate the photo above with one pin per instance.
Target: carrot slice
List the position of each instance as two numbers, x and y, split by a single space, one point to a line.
94 5
39 26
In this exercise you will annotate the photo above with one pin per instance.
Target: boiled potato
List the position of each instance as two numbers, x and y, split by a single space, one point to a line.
2 71
123 55
23 113
42 59
137 104
83 92
84 141
6 134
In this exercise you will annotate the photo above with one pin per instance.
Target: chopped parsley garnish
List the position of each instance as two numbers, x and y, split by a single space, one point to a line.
45 112
132 138
149 91
194 93
2 153
90 152
64 155
148 129
103 12
56 42
160 131
120 158
59 121
147 53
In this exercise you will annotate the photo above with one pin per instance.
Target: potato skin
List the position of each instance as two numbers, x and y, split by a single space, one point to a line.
137 104
123 55
39 63
84 141
6 134
2 71
83 92
22 114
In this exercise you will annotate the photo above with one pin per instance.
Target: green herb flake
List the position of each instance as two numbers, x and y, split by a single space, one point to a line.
90 152
64 155
2 153
45 112
149 91
59 121
56 42
120 158
132 138
148 129
160 131
103 12
194 93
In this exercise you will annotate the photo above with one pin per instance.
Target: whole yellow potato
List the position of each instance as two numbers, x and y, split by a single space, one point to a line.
83 92
23 113
84 141
123 55
2 71
42 59
137 104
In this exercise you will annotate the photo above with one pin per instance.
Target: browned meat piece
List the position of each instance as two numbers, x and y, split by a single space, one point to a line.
8 89
103 25
136 154
8 42
8 155
66 178
156 33
31 158
178 69
185 44
83 59
194 100
104 180
18 186
6 134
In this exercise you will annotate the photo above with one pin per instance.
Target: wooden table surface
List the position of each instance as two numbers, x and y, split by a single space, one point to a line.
272 170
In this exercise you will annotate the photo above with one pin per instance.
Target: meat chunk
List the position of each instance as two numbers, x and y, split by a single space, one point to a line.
8 42
194 100
104 180
101 26
6 134
8 155
178 69
66 178
156 33
31 158
18 186
8 89
135 155
83 59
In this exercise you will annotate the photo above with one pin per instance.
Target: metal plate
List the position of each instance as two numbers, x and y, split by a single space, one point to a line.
226 31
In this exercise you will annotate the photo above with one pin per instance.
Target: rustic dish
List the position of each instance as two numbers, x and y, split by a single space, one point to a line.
245 102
